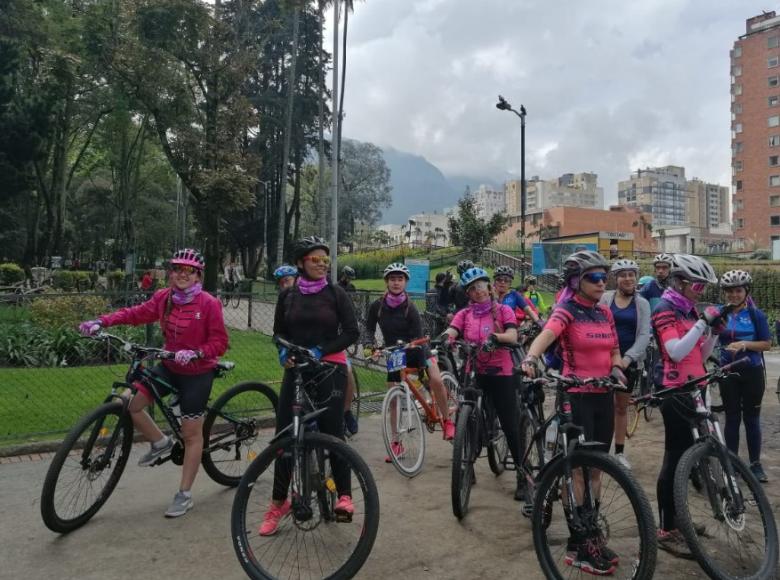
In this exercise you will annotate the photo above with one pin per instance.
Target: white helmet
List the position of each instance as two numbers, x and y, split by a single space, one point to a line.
663 258
621 265
396 268
693 268
736 279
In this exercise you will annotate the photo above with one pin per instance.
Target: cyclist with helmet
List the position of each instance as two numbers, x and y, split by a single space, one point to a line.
685 339
588 341
491 323
399 319
459 296
318 315
193 327
643 281
505 294
653 290
345 280
535 296
632 322
285 276
746 335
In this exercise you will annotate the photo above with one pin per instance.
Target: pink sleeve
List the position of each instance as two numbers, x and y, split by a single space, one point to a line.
507 316
145 313
217 340
459 321
558 322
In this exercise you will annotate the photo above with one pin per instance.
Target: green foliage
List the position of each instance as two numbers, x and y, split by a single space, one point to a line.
372 264
115 279
472 232
66 311
11 273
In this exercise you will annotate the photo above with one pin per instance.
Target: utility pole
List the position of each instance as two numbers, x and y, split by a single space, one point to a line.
334 151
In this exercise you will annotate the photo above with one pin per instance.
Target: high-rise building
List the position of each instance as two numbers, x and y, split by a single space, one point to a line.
489 202
755 130
660 191
568 190
708 204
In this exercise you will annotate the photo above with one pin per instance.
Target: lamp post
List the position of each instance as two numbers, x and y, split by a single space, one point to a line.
503 105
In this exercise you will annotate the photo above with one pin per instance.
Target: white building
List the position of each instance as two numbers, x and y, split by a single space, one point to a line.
489 202
568 190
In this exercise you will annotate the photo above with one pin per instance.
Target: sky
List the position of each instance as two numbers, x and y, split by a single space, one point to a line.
610 86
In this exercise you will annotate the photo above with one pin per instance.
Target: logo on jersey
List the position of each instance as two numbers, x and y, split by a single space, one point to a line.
197 316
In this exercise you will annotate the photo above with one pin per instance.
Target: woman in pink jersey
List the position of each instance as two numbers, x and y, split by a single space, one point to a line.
685 339
588 344
193 327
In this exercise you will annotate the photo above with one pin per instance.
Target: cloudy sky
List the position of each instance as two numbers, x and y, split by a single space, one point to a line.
609 85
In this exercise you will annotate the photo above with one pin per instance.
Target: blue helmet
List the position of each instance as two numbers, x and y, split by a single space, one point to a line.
472 275
645 280
285 270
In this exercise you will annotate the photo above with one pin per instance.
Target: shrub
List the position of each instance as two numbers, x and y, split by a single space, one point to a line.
11 273
63 280
115 279
66 311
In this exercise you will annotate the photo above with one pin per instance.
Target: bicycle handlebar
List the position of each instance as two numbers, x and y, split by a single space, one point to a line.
553 378
689 385
134 348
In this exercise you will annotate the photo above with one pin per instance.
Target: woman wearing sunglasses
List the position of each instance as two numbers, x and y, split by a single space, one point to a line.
317 315
685 340
484 321
193 327
588 340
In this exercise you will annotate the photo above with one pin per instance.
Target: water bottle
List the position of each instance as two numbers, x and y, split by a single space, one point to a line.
550 439
176 408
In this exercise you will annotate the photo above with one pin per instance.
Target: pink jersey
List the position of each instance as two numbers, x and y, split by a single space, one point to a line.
587 338
476 329
670 323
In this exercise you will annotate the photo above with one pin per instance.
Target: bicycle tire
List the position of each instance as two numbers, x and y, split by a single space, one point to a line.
534 460
50 512
632 413
463 458
497 447
256 413
355 406
452 386
224 298
247 513
409 431
642 567
235 300
703 550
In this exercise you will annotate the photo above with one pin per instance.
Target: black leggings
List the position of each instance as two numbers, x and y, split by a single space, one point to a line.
677 439
329 392
741 394
595 413
501 391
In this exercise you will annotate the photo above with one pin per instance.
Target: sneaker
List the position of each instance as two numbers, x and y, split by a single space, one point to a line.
156 452
520 489
397 449
587 557
181 504
272 517
623 460
606 552
673 542
344 505
759 472
350 423
449 430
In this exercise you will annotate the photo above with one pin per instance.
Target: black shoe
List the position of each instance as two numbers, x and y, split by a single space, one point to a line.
520 489
350 423
759 472
588 558
607 553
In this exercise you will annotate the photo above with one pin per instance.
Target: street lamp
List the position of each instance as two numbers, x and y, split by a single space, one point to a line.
503 105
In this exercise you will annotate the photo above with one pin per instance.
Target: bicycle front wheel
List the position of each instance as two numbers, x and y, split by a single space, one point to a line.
464 454
235 300
313 540
86 468
633 419
452 386
355 406
403 432
737 542
533 451
497 447
237 428
618 519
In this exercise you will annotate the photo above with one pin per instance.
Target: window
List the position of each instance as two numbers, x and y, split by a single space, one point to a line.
774 201
739 185
771 62
737 52
773 101
773 121
771 81
738 203
736 108
737 89
774 220
737 147
738 127
774 180
736 71
738 165
773 42
774 140
739 223
774 160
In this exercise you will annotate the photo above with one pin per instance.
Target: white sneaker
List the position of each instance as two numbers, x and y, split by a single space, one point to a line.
621 457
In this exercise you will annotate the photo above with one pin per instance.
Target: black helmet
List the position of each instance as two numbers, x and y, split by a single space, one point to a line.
464 265
531 280
582 261
504 271
348 272
309 244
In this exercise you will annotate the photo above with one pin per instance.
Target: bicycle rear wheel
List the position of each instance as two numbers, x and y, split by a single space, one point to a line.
497 447
235 300
464 454
621 520
533 451
453 391
403 431
355 407
224 298
312 540
633 419
737 544
86 468
238 426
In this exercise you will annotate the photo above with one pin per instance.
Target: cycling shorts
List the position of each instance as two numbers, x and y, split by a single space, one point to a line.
595 413
193 390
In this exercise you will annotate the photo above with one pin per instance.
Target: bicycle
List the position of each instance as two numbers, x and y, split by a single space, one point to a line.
715 487
313 539
96 450
407 407
476 428
230 294
611 508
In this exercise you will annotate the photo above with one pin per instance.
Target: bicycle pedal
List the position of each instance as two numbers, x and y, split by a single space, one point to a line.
343 517
527 510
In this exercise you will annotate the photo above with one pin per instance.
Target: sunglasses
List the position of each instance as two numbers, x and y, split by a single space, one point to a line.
317 260
595 277
503 280
697 286
179 269
479 285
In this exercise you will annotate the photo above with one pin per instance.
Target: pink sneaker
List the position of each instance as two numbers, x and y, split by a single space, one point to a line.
344 505
397 449
273 516
449 430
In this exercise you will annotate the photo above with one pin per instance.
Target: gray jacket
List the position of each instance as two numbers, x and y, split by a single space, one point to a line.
638 350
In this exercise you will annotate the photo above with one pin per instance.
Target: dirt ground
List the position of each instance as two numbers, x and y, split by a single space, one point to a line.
418 535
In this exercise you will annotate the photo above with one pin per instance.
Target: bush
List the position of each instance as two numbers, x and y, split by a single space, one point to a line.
63 280
115 279
372 264
11 273
66 311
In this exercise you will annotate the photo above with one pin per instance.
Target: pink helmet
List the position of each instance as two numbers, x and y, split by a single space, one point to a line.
189 257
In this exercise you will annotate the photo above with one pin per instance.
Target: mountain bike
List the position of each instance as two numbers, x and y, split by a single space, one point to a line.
230 294
93 456
612 515
409 406
715 488
314 539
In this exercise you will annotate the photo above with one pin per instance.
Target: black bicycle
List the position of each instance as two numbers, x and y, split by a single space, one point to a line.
316 539
91 459
230 294
715 491
581 497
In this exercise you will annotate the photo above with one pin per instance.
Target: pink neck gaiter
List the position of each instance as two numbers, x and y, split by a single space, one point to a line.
186 296
307 286
678 300
481 308
395 300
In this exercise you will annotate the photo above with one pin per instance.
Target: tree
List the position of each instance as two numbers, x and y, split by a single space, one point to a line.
471 232
365 186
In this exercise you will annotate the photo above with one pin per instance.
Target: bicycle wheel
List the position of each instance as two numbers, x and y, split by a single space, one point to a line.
403 431
238 426
355 407
621 519
533 450
86 468
235 300
453 391
464 454
225 298
311 541
497 446
633 420
736 544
